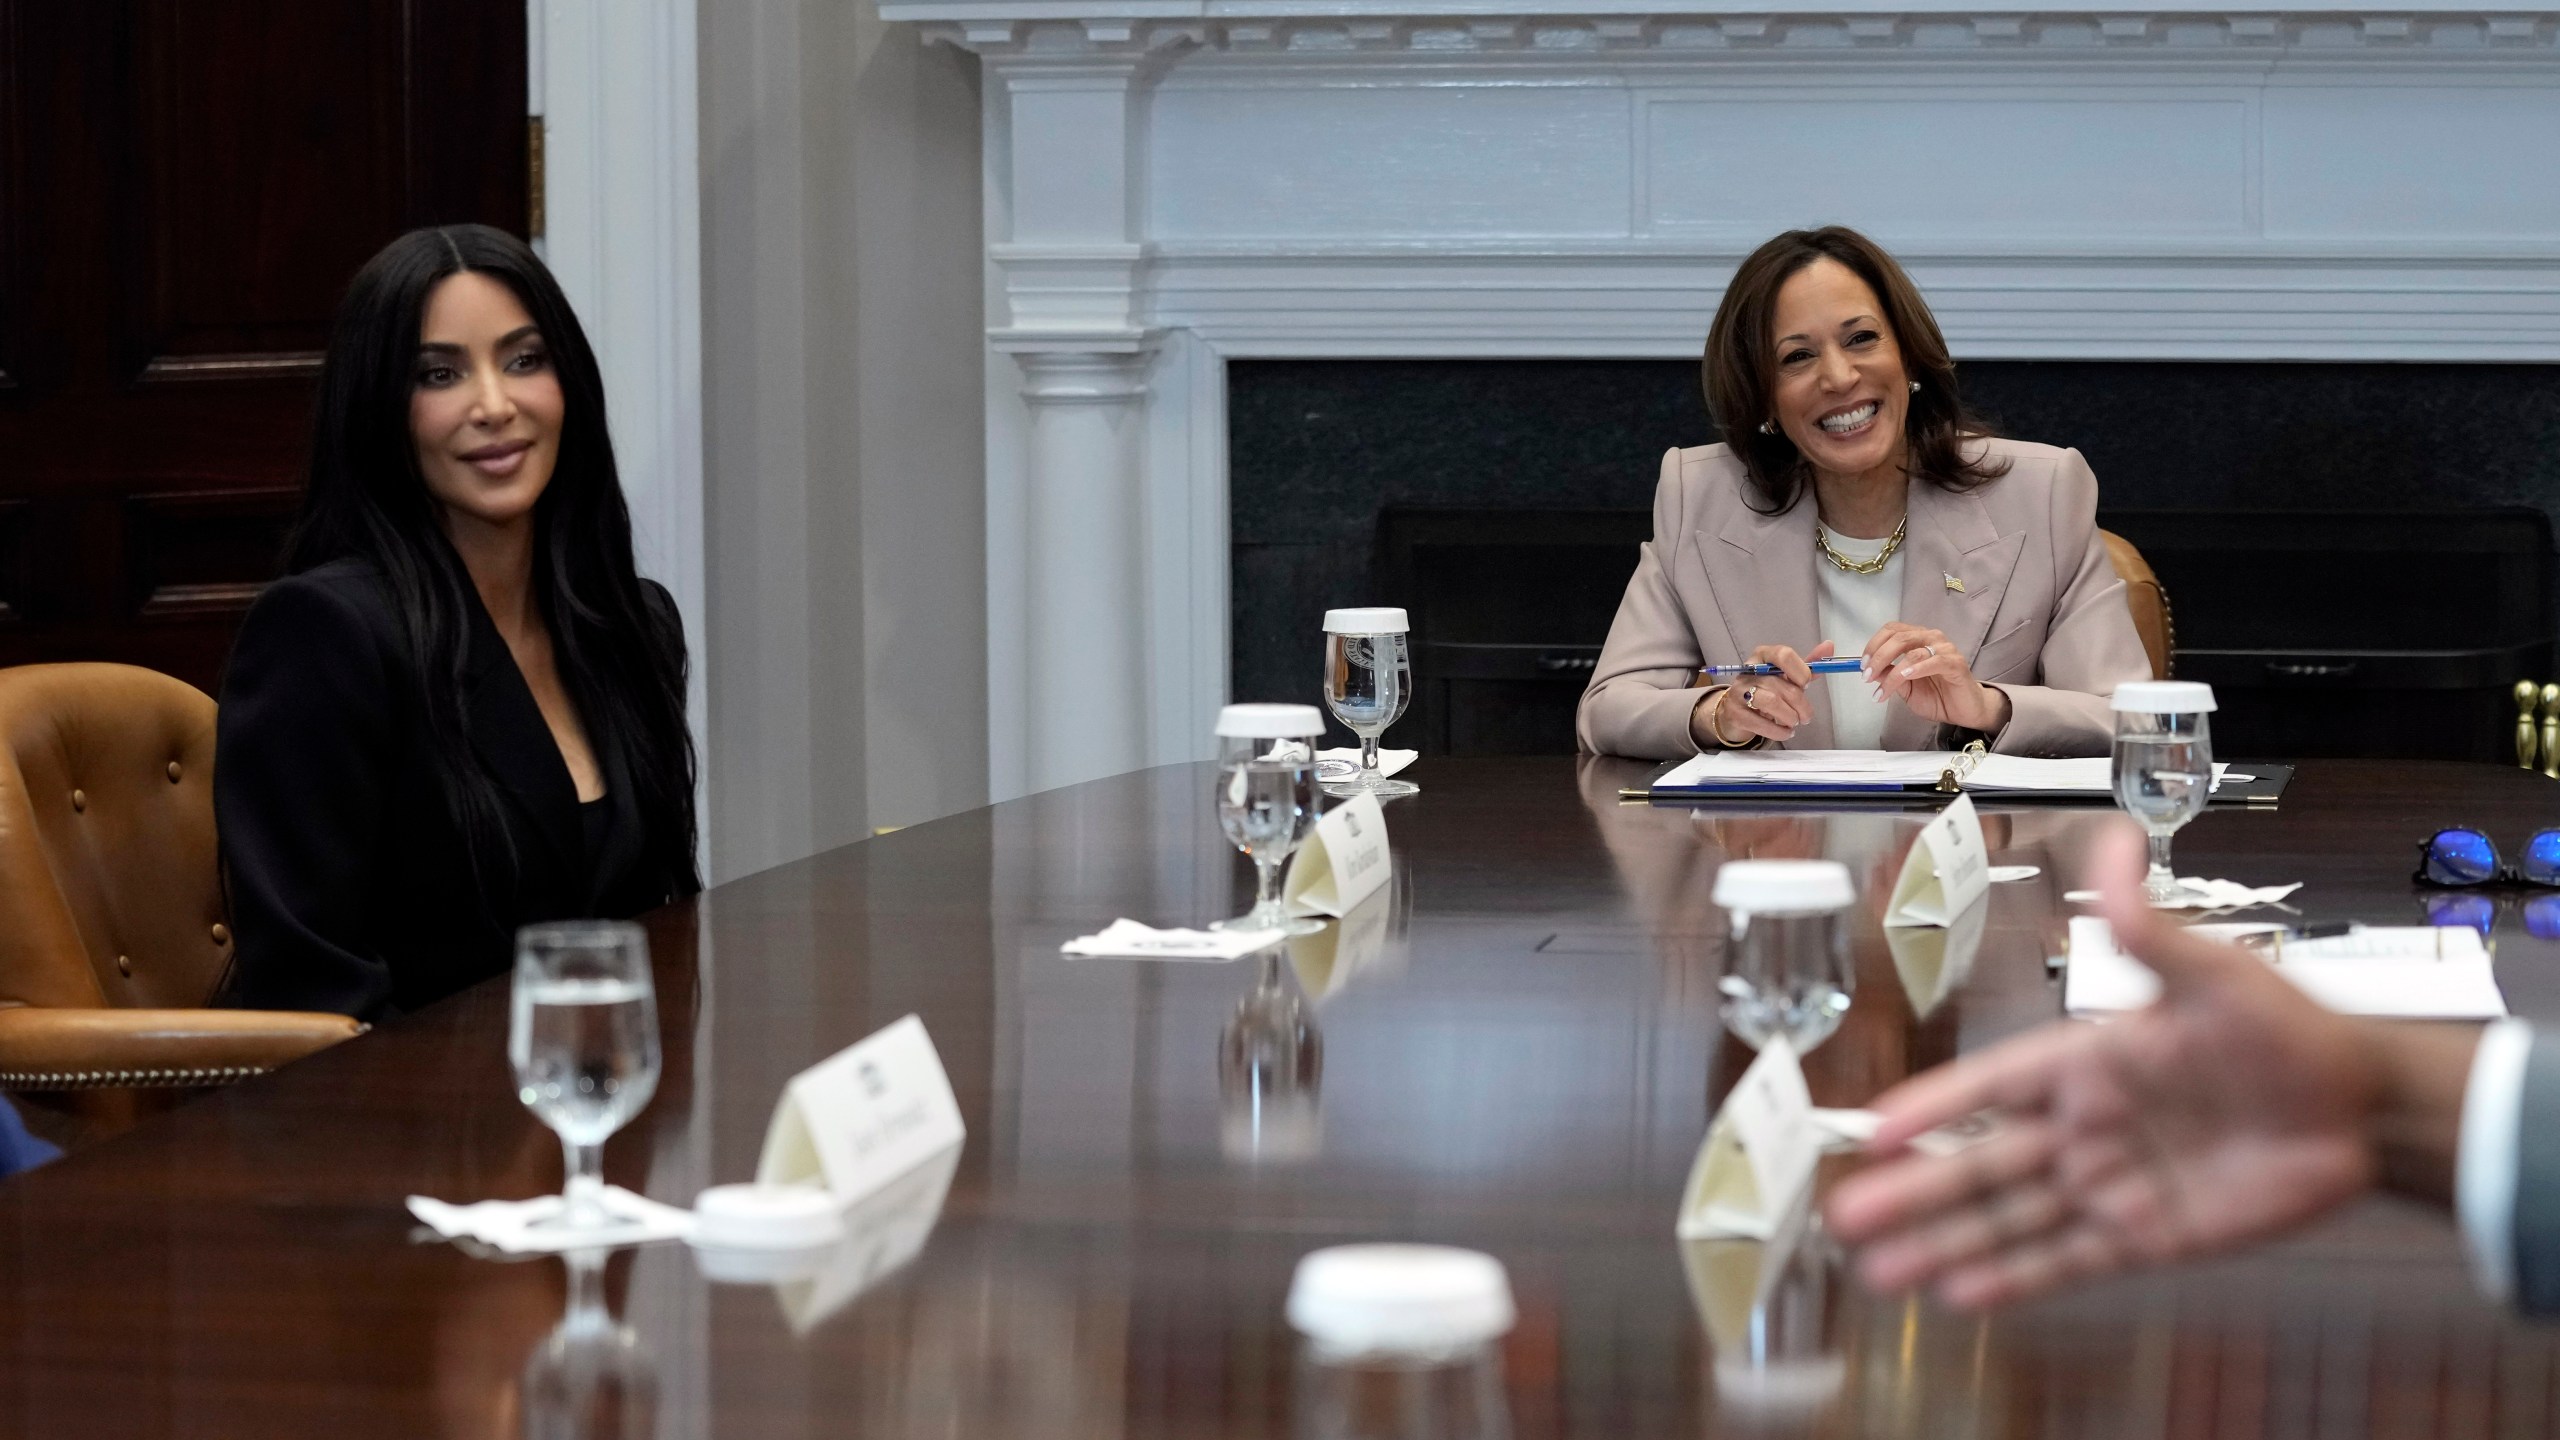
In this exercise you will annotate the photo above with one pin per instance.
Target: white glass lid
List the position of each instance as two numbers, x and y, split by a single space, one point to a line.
1366 620
1400 1298
1270 722
2163 697
1775 885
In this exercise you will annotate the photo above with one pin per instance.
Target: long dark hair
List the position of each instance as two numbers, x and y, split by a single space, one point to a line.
1740 386
620 650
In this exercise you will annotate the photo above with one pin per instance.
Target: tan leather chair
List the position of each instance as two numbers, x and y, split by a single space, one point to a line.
112 933
2148 600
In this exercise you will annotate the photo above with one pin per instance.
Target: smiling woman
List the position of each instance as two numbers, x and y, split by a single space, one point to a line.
1963 570
462 710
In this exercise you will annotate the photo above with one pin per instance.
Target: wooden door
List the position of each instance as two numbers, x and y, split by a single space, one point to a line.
186 187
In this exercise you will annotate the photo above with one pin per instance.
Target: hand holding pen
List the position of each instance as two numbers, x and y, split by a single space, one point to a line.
1838 665
1767 699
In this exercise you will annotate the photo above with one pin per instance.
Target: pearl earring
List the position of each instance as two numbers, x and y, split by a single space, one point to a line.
1915 387
1768 428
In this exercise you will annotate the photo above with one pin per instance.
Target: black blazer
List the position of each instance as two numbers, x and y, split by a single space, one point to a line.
350 885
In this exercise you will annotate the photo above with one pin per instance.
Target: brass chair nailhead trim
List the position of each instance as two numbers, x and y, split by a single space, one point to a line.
108 1079
176 770
79 800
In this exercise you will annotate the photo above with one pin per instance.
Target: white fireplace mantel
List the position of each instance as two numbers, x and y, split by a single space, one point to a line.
1171 183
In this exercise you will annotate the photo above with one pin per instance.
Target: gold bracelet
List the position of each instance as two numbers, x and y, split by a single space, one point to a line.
1715 721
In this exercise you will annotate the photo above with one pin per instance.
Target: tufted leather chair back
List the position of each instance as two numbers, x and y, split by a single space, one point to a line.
2149 601
110 880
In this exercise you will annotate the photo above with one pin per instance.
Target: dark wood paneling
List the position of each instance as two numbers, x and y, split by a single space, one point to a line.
194 554
267 139
186 187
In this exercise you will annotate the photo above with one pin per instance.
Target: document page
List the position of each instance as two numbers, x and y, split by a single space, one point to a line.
2093 774
2409 972
1881 768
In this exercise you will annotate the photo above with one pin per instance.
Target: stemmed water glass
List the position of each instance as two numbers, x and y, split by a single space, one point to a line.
582 1035
1267 800
1368 682
2163 766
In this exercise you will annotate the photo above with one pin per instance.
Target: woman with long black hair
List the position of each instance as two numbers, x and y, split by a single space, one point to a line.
461 710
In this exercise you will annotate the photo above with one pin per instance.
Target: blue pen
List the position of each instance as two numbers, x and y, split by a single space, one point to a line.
1845 665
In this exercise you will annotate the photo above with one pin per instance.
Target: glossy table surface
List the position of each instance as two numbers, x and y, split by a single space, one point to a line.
1517 1050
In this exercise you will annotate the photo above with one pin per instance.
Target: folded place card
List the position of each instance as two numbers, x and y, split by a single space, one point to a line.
1759 1156
860 1119
1342 863
882 1234
1128 940
1948 869
1326 960
1933 961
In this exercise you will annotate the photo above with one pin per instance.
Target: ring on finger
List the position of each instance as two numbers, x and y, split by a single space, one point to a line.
1930 651
1749 693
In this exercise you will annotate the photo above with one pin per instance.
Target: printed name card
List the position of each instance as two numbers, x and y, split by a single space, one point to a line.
860 1119
1948 869
1934 963
1342 863
1759 1156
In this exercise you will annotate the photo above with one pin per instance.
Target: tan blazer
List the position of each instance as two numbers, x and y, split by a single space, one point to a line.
2041 615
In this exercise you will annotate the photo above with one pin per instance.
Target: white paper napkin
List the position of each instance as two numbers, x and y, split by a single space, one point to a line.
1127 939
2196 894
1345 763
509 1224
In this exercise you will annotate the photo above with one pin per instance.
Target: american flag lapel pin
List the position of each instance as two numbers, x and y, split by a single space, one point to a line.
1953 583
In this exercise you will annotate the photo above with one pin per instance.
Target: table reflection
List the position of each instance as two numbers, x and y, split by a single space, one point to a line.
591 1378
1270 1073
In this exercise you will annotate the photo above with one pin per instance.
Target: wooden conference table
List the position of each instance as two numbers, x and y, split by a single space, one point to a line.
1519 1052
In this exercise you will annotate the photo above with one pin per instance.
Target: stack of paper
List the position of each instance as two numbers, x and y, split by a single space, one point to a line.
1879 770
2413 972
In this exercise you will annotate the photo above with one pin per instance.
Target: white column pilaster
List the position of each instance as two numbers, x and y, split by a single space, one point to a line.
1070 267
1087 671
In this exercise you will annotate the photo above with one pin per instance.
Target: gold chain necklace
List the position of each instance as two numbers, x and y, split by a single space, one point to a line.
1822 542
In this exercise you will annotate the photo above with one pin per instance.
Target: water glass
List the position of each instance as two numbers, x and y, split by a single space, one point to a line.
1402 1343
582 1035
1790 972
1268 801
1368 682
2163 766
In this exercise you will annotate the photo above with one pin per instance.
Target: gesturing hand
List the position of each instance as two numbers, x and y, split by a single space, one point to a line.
2229 1110
1923 669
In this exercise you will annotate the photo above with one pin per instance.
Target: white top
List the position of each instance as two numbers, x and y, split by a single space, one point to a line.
1852 608
1400 1299
2484 1178
1367 620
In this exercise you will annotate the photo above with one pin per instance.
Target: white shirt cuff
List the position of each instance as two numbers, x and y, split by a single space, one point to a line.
2484 1181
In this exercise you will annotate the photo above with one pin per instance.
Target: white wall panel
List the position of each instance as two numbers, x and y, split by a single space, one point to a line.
2465 162
1933 165
1334 162
1559 178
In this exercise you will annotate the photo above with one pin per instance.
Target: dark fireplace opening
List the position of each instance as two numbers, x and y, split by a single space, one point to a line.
2405 508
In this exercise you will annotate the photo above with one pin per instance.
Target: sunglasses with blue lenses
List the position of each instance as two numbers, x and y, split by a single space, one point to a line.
2459 857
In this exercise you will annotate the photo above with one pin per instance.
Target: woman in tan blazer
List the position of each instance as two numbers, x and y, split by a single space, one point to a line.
1866 514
